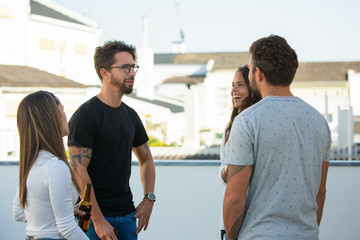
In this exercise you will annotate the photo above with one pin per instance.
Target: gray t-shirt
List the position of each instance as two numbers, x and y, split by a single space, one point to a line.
286 140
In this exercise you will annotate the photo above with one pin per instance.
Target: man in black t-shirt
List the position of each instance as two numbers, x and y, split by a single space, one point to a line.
103 133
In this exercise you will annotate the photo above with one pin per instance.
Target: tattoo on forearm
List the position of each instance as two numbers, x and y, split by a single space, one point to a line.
147 148
232 170
235 229
79 156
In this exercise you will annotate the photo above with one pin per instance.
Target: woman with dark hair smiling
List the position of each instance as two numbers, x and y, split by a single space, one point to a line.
47 191
242 98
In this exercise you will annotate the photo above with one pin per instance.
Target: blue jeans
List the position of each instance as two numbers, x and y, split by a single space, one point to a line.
125 227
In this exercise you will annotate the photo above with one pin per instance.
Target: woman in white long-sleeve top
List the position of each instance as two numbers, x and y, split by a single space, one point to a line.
46 193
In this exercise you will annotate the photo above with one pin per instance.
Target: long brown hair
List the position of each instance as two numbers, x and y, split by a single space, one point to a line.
40 128
247 102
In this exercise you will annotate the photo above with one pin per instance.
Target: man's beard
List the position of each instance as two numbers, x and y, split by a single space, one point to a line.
254 86
122 85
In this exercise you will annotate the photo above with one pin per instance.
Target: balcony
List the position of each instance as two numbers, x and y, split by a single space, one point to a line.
190 196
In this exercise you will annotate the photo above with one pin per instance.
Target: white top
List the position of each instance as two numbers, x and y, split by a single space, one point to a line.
50 198
221 168
222 159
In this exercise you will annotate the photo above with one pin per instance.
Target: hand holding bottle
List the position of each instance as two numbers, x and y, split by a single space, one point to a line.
78 212
85 205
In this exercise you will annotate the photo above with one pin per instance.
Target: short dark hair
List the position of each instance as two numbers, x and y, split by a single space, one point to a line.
104 55
275 58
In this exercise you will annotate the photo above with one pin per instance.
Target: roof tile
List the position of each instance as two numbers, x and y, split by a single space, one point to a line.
22 76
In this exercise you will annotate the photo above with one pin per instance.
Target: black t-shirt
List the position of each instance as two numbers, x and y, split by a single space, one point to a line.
110 133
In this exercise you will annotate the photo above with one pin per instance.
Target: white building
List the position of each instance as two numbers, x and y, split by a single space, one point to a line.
328 86
41 35
44 35
164 120
18 81
205 76
47 36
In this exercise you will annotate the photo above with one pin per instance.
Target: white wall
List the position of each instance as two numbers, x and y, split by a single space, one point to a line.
341 217
22 33
3 128
10 229
9 139
145 77
315 94
164 71
13 25
189 200
354 81
214 94
63 61
216 101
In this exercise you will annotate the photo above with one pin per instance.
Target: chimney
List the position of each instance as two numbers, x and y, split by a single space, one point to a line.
145 40
144 78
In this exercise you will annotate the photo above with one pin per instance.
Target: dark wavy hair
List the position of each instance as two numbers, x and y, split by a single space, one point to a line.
104 55
247 102
275 58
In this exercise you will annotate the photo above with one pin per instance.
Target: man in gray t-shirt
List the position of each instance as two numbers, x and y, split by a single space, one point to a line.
277 155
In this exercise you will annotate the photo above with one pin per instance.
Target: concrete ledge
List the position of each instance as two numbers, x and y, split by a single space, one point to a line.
333 163
9 163
183 162
344 163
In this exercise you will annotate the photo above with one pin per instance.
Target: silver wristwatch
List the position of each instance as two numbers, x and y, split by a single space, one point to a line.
150 196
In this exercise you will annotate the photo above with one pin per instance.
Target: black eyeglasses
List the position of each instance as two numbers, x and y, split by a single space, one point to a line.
127 67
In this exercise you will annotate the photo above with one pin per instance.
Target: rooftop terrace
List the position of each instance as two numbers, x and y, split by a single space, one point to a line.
190 196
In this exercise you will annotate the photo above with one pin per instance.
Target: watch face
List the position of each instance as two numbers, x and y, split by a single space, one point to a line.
151 196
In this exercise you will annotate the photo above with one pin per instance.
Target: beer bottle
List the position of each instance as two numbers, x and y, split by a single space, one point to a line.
85 205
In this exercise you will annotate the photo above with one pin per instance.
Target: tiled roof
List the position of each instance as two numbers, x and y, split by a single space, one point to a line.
172 107
223 60
325 71
164 58
42 10
185 79
21 76
307 71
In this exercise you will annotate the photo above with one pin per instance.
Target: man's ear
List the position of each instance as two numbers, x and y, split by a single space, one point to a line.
259 75
104 72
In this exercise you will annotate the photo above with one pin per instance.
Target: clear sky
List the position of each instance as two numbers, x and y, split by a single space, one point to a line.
318 30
